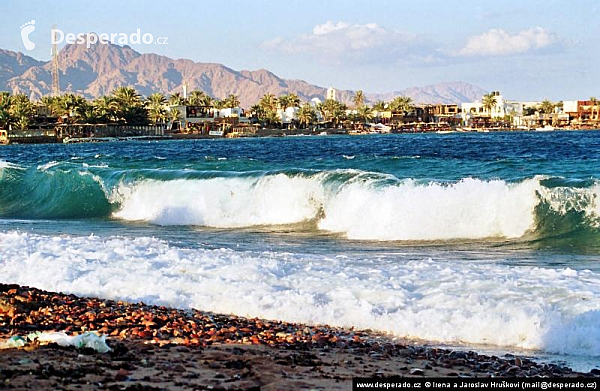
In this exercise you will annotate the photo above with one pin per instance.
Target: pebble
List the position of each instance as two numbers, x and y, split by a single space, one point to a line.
29 309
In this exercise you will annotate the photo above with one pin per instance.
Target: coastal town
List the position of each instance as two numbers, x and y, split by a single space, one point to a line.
125 114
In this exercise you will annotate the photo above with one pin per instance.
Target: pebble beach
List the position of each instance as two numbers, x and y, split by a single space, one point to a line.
154 347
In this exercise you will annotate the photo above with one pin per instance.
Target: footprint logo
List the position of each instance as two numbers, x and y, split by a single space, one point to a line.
27 29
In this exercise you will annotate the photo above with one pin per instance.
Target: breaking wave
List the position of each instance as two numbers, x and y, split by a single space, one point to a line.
357 204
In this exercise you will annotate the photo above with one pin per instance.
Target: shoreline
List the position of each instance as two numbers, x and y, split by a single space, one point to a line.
270 133
156 347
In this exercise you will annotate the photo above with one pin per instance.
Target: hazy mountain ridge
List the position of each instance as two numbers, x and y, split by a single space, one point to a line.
97 71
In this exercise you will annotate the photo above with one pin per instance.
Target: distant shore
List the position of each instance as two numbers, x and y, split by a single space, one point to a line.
261 133
163 348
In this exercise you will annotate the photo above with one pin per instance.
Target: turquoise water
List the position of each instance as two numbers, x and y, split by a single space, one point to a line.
474 239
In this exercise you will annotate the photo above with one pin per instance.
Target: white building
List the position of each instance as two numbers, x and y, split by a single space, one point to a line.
331 93
287 115
200 114
501 109
570 106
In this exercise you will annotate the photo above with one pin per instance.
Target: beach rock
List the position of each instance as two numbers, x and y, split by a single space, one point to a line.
122 375
417 372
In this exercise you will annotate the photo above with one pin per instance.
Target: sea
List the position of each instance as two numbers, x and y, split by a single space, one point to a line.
478 241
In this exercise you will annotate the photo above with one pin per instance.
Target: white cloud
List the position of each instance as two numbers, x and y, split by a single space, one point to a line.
369 42
498 42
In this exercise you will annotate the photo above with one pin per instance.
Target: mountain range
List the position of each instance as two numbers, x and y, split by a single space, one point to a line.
97 70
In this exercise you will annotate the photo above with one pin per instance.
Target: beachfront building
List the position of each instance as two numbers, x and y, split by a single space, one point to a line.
202 117
583 113
287 116
384 116
445 113
315 102
476 114
541 120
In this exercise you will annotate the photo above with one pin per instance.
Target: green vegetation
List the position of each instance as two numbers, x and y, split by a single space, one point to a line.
125 106
306 115
358 99
489 102
547 107
401 105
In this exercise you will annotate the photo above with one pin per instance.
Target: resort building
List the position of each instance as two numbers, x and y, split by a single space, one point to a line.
203 116
445 113
288 115
501 109
476 114
585 113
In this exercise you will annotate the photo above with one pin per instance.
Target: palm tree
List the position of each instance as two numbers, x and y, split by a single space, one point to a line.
127 96
207 101
4 118
157 114
284 102
489 102
333 110
594 108
289 100
176 99
20 111
86 114
271 118
196 98
106 108
155 104
49 101
129 106
136 115
4 107
359 98
268 102
156 99
4 98
66 105
339 114
231 101
365 113
257 111
401 104
218 104
174 115
379 106
293 100
306 115
328 108
547 107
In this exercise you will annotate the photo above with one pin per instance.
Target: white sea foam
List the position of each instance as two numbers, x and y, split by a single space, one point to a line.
5 164
367 206
222 202
554 310
566 199
47 166
470 209
596 190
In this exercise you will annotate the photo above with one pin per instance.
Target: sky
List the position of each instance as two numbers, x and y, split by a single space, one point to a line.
528 50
